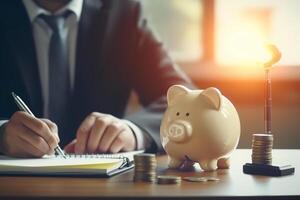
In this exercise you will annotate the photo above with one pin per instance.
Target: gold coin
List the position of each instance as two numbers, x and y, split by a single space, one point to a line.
262 162
261 150
262 139
261 143
212 178
262 135
168 179
261 158
262 146
258 151
148 155
262 155
146 167
194 179
143 164
144 180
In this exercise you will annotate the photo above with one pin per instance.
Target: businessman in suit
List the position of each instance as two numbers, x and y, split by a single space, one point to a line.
75 64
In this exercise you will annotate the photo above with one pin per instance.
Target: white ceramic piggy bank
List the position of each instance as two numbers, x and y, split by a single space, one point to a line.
199 126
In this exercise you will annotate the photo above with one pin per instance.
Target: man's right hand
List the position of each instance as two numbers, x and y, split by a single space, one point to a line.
27 136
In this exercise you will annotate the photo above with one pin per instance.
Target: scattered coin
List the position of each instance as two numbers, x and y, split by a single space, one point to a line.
145 167
195 179
212 179
168 179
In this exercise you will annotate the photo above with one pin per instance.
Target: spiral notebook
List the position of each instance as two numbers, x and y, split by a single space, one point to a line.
100 165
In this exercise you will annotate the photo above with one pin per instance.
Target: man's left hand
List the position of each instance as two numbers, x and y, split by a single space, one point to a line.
101 133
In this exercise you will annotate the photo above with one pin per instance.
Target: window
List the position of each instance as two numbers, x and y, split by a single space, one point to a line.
178 24
241 26
213 37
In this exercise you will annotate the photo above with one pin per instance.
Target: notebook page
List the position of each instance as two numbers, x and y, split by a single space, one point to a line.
97 160
51 161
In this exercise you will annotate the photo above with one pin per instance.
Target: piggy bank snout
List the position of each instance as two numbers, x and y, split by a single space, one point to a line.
179 131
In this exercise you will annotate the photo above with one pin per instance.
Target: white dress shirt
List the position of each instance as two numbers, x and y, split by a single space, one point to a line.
42 35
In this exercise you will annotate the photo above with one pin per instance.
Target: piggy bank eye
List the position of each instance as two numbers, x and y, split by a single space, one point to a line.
187 114
177 113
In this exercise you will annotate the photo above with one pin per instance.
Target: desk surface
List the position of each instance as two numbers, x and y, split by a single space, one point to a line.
233 183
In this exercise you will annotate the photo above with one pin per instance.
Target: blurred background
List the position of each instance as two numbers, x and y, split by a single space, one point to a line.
216 43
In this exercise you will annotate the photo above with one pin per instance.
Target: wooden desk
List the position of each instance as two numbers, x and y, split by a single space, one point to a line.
233 184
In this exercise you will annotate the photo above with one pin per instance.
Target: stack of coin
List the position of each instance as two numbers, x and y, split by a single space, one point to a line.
262 148
168 179
145 167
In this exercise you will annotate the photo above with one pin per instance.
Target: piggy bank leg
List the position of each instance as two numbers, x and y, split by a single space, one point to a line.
223 163
174 163
208 165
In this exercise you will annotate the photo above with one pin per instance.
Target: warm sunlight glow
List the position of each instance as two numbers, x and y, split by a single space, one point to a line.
244 46
242 24
274 56
243 42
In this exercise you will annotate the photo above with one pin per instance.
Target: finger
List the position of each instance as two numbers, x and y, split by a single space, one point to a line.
35 140
16 149
116 146
83 134
31 151
27 149
97 132
29 121
40 128
70 148
97 114
108 137
53 128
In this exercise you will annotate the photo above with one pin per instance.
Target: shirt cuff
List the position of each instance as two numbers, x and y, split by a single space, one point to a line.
142 139
2 124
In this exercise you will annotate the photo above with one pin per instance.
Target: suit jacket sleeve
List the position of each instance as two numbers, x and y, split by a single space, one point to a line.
153 72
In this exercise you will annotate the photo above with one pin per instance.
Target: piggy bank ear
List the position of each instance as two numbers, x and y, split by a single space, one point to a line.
175 91
214 96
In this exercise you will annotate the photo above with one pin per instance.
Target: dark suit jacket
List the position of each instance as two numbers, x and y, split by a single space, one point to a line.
116 53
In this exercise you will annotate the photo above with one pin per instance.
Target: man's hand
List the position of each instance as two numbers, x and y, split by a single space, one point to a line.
27 136
101 133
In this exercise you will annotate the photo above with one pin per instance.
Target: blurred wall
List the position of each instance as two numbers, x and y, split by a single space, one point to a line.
285 125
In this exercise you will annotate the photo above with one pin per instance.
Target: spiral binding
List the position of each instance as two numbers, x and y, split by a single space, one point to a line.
126 161
109 156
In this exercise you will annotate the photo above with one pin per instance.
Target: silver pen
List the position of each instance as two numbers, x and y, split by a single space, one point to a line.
23 107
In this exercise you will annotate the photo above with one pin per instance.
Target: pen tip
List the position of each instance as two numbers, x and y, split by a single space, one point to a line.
13 94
